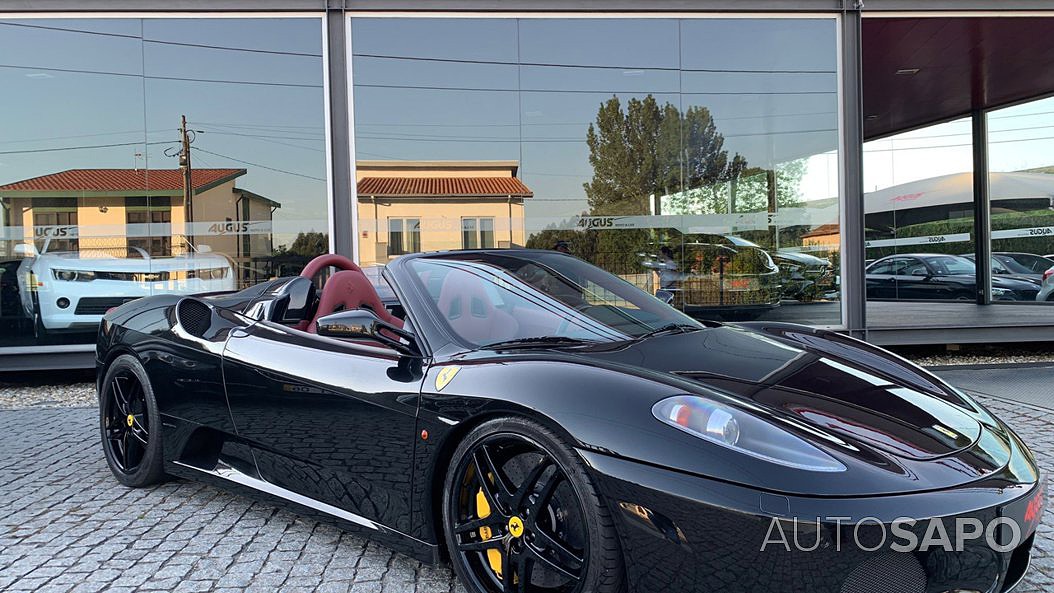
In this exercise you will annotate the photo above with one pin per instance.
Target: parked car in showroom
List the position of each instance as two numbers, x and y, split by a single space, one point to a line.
803 277
1046 293
1037 263
934 276
71 290
720 277
10 299
1007 267
548 427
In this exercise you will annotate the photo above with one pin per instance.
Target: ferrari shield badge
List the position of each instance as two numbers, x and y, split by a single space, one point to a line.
446 376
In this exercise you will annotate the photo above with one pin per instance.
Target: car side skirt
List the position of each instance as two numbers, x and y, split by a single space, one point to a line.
227 463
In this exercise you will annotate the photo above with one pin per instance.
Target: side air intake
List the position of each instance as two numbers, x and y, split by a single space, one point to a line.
194 316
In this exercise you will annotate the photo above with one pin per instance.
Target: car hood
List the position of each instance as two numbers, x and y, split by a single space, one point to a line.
1029 280
1012 283
800 258
890 417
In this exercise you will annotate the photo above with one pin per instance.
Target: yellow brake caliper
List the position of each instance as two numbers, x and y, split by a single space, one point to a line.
485 533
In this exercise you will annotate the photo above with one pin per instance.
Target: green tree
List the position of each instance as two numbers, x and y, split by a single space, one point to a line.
645 150
752 192
307 244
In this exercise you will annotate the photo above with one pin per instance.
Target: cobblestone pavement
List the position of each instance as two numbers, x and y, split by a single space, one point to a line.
66 525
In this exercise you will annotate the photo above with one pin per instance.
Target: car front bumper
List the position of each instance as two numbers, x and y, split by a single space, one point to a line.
681 532
87 302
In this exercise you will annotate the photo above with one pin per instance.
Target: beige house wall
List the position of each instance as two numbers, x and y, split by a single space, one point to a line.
260 245
832 242
101 218
97 217
440 223
96 228
215 205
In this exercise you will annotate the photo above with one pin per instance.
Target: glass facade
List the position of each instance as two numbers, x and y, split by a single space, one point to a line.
701 157
1021 185
918 205
149 155
920 208
696 158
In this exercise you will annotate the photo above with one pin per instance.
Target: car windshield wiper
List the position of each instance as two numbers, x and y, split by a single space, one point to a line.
669 329
537 342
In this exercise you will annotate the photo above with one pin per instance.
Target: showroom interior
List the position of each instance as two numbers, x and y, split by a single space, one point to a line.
861 166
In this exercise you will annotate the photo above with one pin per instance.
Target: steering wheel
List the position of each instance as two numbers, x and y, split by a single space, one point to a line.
330 259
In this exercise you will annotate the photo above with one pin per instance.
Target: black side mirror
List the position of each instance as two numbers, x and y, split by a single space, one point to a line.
922 273
364 324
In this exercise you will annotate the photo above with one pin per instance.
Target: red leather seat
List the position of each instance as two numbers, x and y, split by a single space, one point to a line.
464 302
347 290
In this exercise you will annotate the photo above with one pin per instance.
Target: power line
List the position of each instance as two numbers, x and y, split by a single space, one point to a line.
229 133
270 141
26 140
586 66
241 49
156 77
164 42
275 169
910 138
959 145
86 147
258 126
586 91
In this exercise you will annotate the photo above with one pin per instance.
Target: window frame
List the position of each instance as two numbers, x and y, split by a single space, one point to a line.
478 232
405 235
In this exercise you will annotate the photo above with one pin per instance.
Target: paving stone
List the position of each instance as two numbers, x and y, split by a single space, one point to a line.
66 525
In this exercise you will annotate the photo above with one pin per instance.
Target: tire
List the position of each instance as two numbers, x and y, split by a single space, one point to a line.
133 447
563 522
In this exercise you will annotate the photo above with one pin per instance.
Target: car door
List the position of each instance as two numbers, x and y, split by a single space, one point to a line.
881 280
913 280
328 419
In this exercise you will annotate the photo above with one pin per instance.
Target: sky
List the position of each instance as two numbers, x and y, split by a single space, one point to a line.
519 89
252 88
1020 138
527 89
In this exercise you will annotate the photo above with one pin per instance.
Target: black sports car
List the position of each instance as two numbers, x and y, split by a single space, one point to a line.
549 427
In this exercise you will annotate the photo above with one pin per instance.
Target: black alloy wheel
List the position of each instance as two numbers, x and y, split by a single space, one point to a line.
521 516
129 424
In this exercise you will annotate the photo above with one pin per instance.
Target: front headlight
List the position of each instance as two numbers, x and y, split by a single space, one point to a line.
735 429
73 275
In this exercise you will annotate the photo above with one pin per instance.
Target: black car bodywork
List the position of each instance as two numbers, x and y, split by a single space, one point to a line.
363 434
1037 264
1006 266
926 276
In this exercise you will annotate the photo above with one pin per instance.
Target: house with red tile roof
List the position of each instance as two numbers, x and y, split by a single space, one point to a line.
410 206
114 209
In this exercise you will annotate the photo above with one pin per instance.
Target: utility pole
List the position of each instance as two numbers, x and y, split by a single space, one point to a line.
188 183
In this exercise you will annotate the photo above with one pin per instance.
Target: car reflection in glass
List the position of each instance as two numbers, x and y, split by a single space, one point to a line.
924 276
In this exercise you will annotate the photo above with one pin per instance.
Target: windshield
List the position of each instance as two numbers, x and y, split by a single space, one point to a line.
487 298
948 265
1009 265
